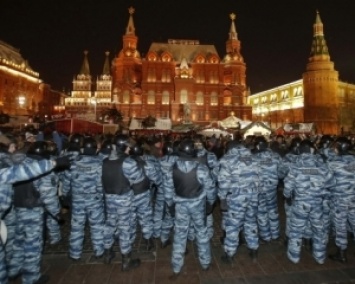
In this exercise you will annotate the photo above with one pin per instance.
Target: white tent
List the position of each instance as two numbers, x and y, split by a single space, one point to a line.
256 128
213 131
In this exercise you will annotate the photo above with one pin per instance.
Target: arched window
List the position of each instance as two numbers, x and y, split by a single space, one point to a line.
183 96
199 98
151 98
165 98
126 97
214 99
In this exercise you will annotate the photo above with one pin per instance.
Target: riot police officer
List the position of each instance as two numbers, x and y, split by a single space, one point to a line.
191 191
306 185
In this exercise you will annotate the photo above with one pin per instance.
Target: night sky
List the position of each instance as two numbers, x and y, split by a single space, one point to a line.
276 35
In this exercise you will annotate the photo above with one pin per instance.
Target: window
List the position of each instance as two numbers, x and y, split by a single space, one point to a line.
284 95
126 97
297 92
183 96
151 98
199 98
214 99
165 100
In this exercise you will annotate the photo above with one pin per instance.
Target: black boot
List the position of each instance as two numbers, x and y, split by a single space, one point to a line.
129 263
223 237
149 244
109 254
165 244
42 280
253 254
340 256
227 259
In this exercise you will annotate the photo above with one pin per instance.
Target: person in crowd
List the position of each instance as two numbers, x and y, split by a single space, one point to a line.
190 194
142 208
343 196
306 185
118 175
29 217
163 219
238 183
84 183
269 171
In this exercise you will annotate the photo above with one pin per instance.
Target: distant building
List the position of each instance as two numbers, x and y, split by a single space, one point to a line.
181 79
22 92
319 97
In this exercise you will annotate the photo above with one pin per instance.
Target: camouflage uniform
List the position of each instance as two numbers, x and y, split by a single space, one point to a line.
83 182
269 164
307 184
210 160
343 197
119 198
190 206
238 185
28 242
142 204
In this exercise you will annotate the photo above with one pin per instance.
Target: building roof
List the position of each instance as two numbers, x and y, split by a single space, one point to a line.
184 49
12 54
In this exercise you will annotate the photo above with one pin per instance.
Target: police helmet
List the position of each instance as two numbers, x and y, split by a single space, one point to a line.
167 148
295 145
187 147
52 148
136 150
260 143
306 147
76 139
39 148
106 147
89 146
326 141
122 142
342 144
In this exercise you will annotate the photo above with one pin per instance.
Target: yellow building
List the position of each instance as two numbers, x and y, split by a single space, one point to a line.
319 97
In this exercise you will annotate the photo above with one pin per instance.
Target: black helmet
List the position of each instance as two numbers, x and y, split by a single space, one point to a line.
295 145
89 146
234 144
39 148
136 150
306 147
106 147
122 142
187 147
342 144
76 139
325 141
167 148
260 143
52 148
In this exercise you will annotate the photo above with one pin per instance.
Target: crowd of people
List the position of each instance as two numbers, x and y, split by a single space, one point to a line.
170 187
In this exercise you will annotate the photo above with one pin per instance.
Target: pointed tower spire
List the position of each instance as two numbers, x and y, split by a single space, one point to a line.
106 70
233 31
319 48
130 30
85 69
233 43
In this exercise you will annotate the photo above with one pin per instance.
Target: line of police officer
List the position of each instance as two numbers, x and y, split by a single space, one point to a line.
116 187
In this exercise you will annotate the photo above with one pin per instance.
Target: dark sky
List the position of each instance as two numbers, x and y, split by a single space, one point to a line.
276 35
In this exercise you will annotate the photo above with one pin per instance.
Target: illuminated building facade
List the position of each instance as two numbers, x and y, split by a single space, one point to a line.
182 80
319 97
22 92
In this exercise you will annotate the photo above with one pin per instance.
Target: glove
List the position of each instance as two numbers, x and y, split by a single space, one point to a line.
60 220
65 201
209 208
223 205
288 201
62 162
171 210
